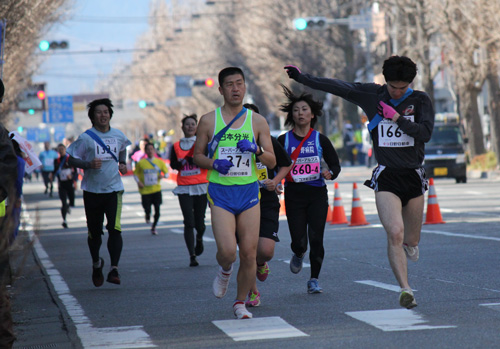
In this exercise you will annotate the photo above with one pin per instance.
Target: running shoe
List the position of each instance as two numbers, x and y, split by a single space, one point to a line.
114 277
194 262
97 277
253 299
296 263
198 250
148 220
411 252
221 282
240 311
406 298
64 224
262 272
313 286
153 231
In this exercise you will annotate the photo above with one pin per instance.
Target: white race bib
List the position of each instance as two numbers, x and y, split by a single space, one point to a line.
65 174
391 136
150 177
242 162
101 153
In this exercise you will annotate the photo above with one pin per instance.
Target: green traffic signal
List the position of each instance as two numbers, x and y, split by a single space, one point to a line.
31 111
300 23
44 45
143 104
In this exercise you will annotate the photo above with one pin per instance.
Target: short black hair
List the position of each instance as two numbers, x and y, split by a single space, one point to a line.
399 68
190 116
92 105
316 106
252 107
224 73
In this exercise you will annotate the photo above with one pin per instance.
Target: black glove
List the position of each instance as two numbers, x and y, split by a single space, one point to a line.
293 72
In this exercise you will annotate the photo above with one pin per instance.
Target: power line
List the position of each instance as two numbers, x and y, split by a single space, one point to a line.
118 50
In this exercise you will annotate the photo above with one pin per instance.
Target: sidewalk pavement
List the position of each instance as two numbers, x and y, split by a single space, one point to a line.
40 320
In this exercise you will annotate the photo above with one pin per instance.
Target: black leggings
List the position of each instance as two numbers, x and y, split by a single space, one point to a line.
306 211
66 193
193 210
154 199
96 206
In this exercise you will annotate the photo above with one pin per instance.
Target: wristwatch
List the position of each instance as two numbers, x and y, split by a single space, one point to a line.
261 151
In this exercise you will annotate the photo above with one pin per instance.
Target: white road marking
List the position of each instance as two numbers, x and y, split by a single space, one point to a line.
394 320
445 233
258 328
91 337
381 285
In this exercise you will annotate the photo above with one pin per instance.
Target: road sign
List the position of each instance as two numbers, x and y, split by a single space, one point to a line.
60 109
183 86
360 21
59 133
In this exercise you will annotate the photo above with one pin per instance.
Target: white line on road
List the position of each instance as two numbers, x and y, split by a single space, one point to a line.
445 233
259 328
389 287
394 320
91 337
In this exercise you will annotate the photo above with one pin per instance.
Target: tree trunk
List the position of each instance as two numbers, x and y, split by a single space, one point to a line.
494 91
471 113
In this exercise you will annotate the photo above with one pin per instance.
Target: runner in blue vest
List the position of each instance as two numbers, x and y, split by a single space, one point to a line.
306 195
401 122
101 152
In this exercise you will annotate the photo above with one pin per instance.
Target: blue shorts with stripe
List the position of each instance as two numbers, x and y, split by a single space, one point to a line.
234 198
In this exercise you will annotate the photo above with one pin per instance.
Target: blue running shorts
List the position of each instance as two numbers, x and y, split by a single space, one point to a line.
234 198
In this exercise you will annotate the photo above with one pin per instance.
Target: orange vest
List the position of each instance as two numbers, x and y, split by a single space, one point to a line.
189 174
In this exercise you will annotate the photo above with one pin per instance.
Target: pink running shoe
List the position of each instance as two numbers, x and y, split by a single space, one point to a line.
262 272
253 299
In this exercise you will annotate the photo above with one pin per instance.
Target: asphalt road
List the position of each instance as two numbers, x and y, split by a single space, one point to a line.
163 302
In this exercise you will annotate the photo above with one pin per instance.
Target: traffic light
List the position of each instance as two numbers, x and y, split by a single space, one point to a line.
53 45
209 82
32 99
315 23
143 104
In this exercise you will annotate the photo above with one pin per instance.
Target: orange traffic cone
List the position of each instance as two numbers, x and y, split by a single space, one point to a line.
338 215
433 215
329 214
357 214
282 206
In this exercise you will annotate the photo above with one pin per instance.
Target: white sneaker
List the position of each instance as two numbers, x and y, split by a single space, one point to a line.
411 252
221 282
240 311
407 299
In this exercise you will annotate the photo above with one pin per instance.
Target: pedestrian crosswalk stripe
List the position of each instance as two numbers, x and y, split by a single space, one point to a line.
388 287
394 320
258 328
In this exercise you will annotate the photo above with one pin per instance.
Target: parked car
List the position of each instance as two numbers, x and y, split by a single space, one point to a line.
445 153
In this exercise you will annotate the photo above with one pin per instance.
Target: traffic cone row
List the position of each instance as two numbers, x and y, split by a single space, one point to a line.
433 215
338 216
357 214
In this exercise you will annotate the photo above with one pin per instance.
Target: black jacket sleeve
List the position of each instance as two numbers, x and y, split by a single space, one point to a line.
330 155
8 164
